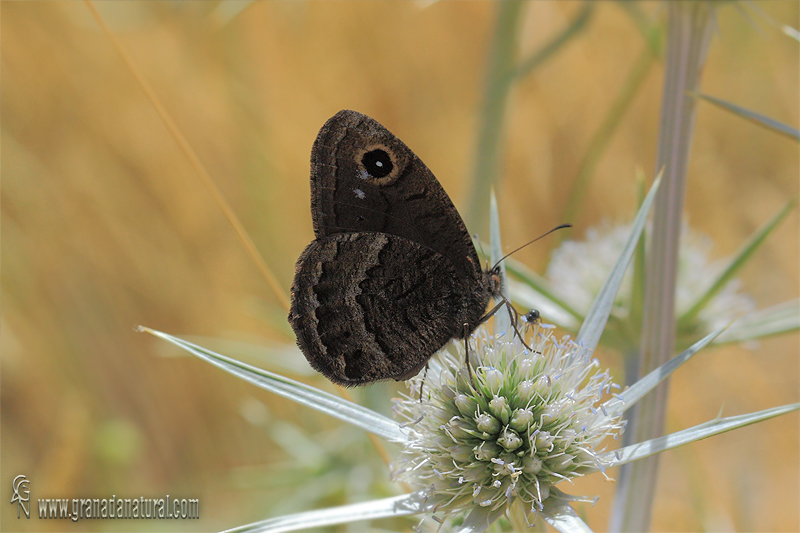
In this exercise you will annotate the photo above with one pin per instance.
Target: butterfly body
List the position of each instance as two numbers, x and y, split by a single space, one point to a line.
392 274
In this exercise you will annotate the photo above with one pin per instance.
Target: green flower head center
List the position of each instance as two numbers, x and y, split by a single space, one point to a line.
520 423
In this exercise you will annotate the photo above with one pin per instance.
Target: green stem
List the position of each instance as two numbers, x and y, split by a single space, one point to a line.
501 75
498 85
605 132
530 63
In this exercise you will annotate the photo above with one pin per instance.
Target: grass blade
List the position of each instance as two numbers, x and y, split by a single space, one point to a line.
736 263
651 447
502 72
502 321
493 110
605 132
194 160
689 29
534 291
781 318
627 398
294 390
578 24
596 318
752 116
539 284
277 355
407 504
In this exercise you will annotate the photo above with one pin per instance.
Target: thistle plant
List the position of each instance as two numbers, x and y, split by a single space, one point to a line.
497 443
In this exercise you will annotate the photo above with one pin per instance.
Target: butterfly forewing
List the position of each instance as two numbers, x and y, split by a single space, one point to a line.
363 178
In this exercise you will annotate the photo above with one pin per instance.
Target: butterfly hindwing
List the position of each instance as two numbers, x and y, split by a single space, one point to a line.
361 316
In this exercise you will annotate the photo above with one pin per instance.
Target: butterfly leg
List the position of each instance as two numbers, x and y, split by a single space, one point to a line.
514 322
512 313
422 384
491 313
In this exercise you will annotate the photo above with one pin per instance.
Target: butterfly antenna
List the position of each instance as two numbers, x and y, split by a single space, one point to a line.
562 226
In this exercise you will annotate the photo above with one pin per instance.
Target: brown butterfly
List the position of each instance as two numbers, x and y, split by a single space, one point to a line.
392 274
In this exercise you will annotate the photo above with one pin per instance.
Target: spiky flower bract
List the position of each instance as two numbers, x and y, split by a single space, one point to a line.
524 421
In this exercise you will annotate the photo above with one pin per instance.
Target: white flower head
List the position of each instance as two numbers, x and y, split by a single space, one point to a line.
578 270
521 423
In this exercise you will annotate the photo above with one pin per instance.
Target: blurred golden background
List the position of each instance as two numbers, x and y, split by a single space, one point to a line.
106 225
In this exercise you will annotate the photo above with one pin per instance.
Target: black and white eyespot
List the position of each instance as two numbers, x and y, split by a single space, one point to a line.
377 163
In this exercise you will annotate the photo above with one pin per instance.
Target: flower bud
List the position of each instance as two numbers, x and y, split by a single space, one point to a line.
543 385
544 441
510 440
486 451
457 429
544 492
525 391
493 379
466 405
461 452
531 464
487 423
526 366
521 420
498 406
